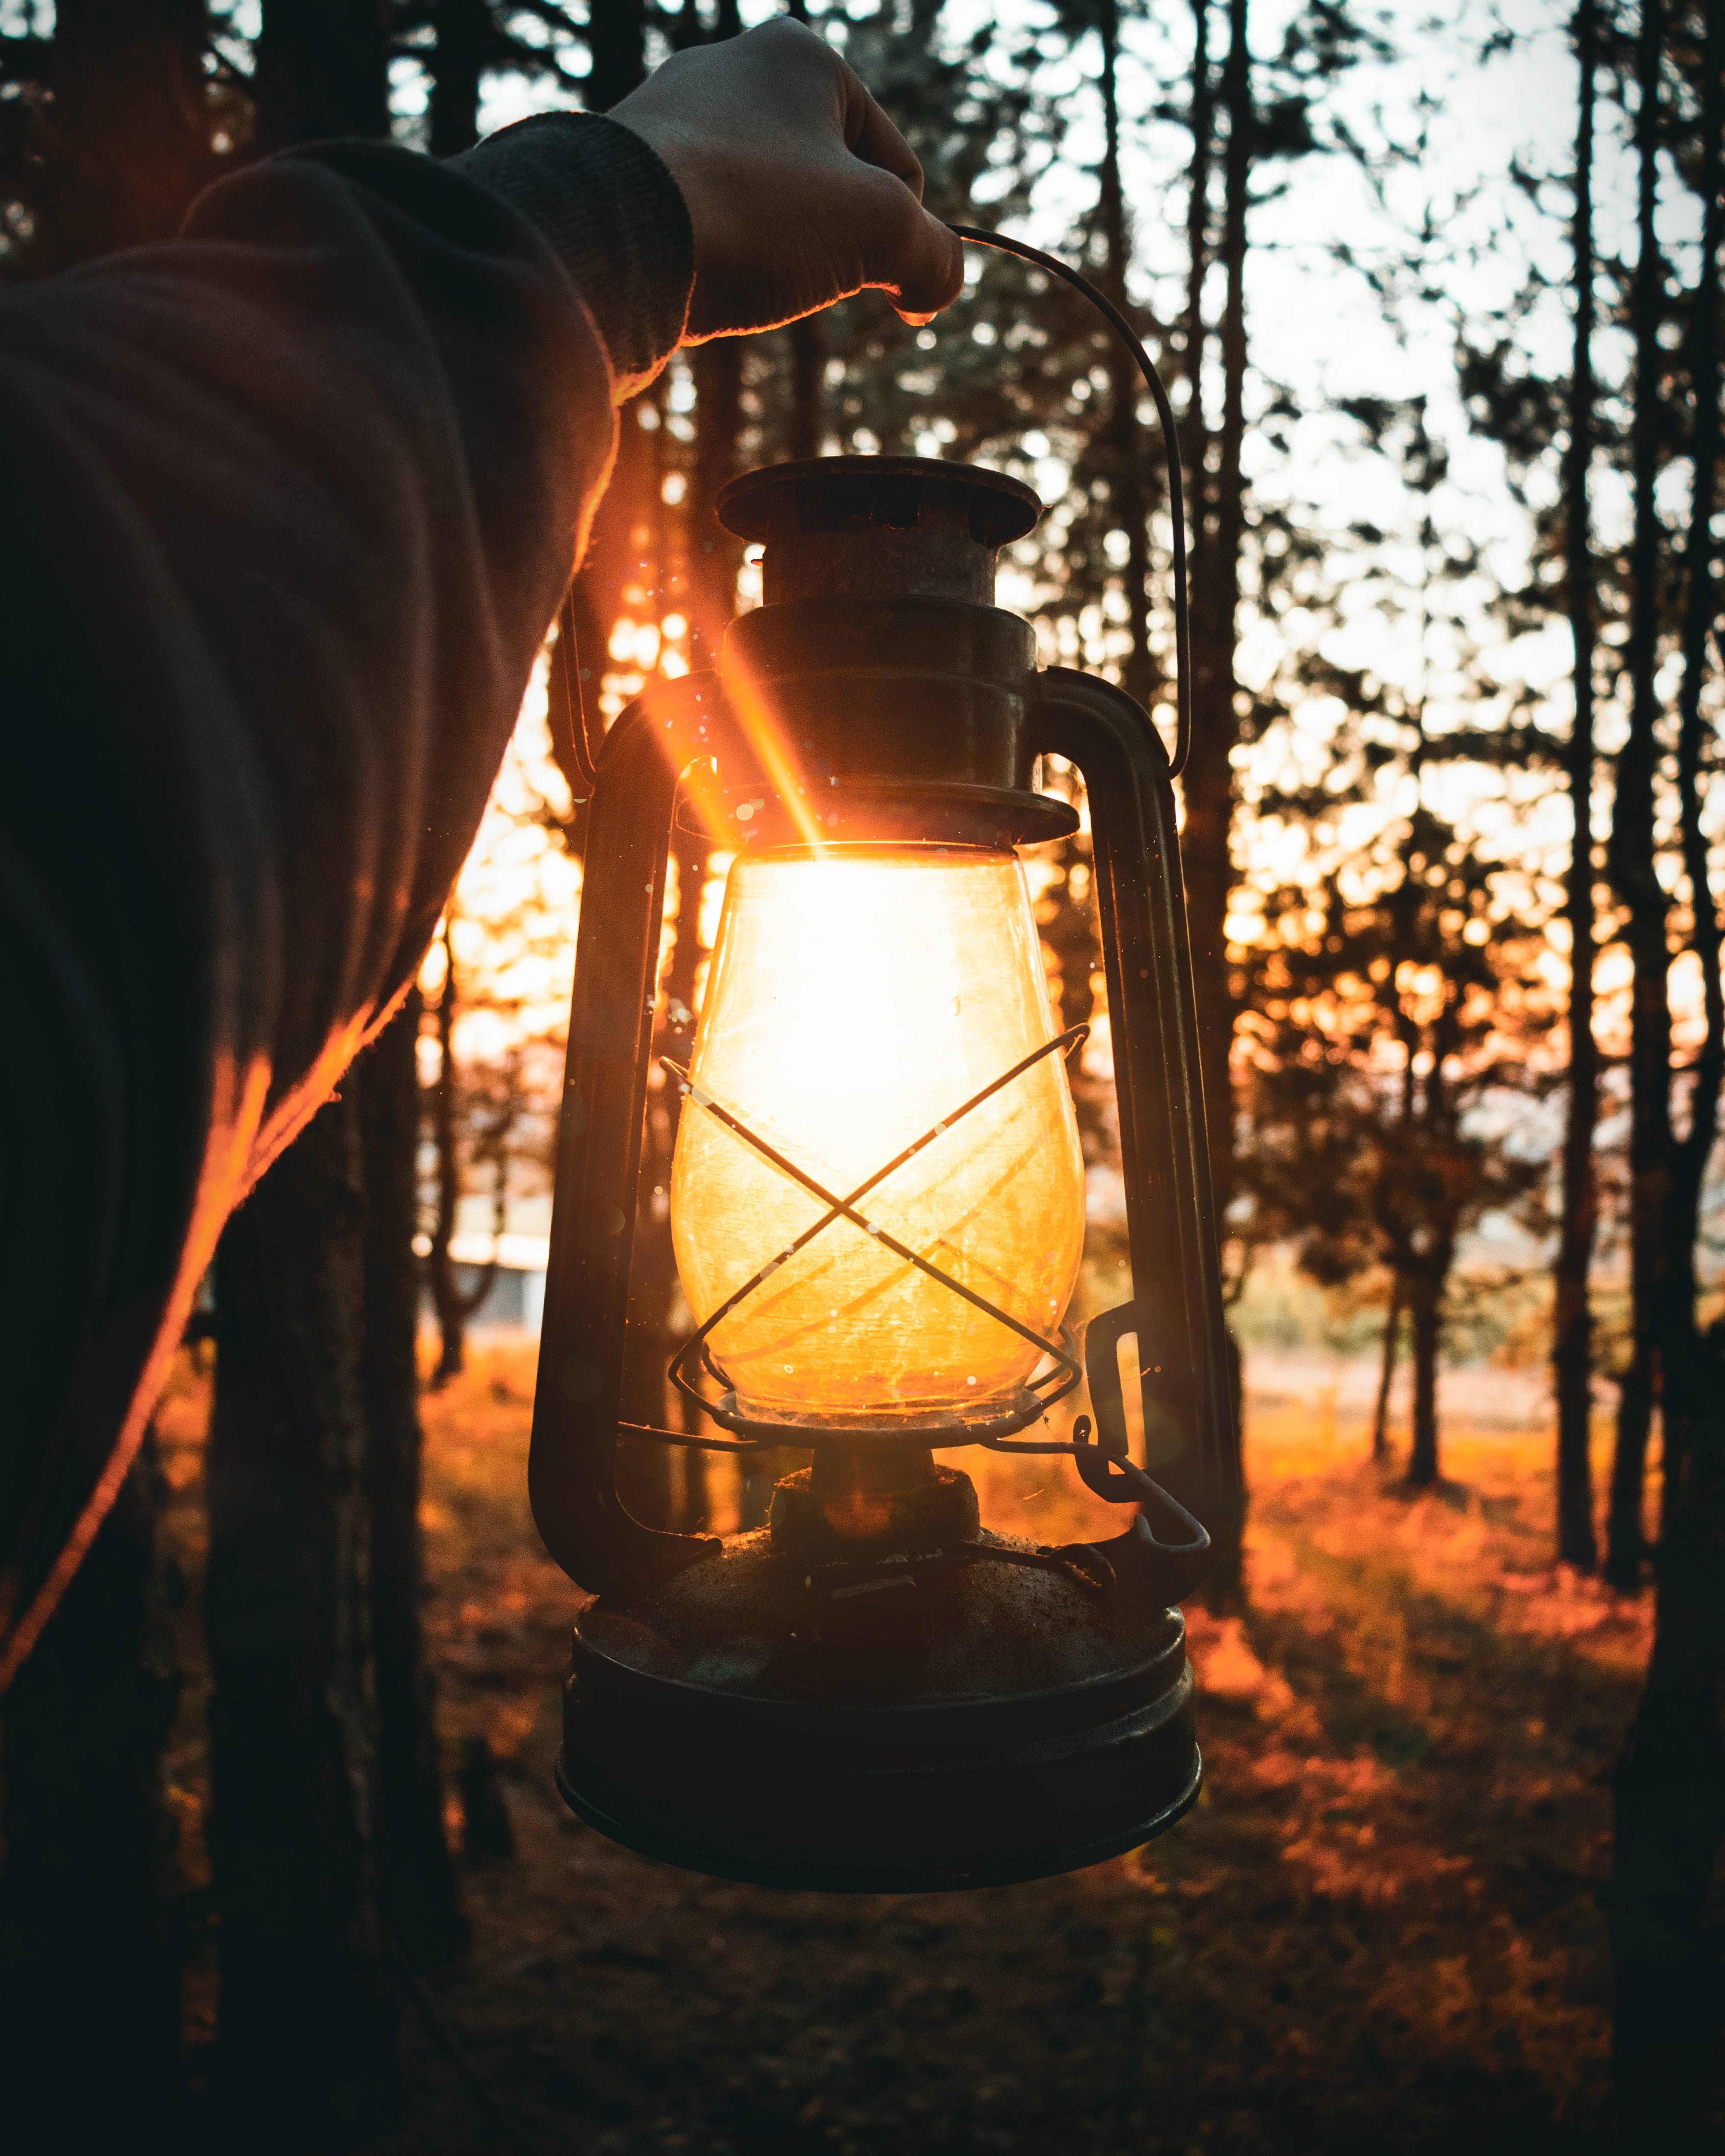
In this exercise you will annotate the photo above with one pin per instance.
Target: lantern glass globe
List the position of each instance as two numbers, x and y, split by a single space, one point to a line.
859 995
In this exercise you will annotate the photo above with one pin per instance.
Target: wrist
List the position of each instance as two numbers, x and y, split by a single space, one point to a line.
612 210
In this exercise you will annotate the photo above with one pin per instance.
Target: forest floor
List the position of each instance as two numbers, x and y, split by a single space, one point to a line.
1380 1931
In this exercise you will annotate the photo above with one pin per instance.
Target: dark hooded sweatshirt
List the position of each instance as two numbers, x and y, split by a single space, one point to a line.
290 502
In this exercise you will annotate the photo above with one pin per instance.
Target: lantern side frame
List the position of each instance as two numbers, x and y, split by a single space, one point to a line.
1185 1384
669 738
577 1395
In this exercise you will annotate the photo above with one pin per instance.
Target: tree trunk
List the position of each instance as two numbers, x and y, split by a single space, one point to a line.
322 69
418 1881
439 1266
809 374
1671 1783
1633 860
1671 1795
1572 1330
1129 499
129 142
714 555
454 1303
617 52
1386 1374
306 2052
1198 261
1425 1310
1208 786
462 29
89 1968
1689 1157
1626 1531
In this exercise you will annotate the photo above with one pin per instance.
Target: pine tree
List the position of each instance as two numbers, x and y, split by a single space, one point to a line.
416 1883
1403 1026
1208 788
1269 112
1392 998
1632 856
449 1115
88 1847
110 128
472 39
307 2035
1551 431
1671 1784
321 1720
1572 1341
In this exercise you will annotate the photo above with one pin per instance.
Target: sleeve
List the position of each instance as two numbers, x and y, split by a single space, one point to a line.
288 503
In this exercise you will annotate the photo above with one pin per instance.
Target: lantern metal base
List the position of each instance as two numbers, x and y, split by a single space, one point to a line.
621 1815
951 1725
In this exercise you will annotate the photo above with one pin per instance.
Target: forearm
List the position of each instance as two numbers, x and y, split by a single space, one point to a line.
289 503
445 457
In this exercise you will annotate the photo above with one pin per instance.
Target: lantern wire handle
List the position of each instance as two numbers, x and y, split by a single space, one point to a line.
1165 416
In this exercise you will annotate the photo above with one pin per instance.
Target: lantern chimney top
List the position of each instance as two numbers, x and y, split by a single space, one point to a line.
878 527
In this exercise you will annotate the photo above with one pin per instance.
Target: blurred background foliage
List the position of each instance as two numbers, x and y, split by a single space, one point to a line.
1436 292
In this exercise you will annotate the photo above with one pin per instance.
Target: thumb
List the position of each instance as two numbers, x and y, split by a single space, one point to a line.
906 253
922 263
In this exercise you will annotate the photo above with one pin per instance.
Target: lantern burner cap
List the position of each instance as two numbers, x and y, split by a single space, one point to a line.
858 1505
878 527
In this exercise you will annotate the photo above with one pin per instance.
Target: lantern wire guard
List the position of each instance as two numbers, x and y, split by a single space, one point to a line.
1066 1375
1115 1478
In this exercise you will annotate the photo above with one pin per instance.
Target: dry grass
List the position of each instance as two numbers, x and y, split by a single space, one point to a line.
1379 1932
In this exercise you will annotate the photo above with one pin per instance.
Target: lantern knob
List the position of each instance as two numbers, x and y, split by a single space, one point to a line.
878 527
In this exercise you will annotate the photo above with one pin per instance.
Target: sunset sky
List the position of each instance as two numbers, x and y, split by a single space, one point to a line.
1431 213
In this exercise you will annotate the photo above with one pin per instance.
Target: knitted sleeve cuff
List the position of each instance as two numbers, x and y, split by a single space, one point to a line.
617 219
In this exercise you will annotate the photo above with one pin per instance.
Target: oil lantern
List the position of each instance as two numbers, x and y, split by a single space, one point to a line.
877 1206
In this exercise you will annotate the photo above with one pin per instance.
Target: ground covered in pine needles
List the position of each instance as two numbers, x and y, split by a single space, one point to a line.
1380 1930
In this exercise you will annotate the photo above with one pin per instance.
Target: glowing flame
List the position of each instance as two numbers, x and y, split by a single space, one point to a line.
859 995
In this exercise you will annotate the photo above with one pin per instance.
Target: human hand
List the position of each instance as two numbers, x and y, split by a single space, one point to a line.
799 188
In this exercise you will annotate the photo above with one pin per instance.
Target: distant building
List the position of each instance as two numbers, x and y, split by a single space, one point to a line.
515 1301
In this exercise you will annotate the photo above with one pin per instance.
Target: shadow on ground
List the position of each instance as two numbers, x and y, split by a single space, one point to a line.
1379 1932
